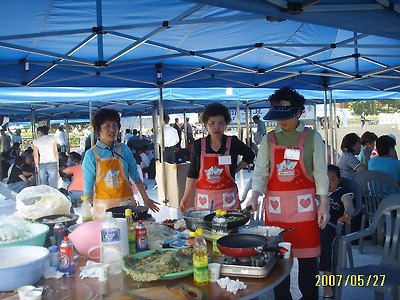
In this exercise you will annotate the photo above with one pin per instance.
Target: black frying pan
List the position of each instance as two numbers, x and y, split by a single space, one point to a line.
138 212
244 245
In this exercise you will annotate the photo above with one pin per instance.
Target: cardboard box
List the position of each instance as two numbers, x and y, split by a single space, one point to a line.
175 180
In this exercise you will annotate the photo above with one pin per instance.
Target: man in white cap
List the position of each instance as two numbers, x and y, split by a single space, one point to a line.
61 136
291 171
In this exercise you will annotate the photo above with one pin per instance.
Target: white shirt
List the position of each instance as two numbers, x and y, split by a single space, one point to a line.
61 137
171 137
45 144
16 139
127 137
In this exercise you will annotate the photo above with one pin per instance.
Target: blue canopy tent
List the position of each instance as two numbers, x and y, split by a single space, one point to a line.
136 52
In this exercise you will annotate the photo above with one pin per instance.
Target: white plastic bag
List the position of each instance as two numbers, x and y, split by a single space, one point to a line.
38 201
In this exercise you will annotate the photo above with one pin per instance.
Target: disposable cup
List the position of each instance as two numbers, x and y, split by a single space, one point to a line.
288 247
23 290
103 272
214 270
33 295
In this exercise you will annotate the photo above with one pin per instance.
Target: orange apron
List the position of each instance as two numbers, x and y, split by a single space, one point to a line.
112 188
215 181
291 199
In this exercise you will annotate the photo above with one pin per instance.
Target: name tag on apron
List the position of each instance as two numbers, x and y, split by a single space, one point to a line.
292 154
224 160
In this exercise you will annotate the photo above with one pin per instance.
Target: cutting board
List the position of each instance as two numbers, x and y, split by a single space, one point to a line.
153 293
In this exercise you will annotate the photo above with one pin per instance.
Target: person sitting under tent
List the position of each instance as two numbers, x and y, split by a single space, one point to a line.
17 180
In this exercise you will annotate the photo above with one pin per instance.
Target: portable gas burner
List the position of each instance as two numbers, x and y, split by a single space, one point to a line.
257 266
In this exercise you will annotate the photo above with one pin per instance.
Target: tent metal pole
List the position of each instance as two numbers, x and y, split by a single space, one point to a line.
185 128
326 127
248 136
165 201
67 134
140 127
336 128
33 129
239 128
332 125
315 117
91 124
332 129
155 134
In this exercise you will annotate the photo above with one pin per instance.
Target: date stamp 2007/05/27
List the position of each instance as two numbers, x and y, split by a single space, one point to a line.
350 280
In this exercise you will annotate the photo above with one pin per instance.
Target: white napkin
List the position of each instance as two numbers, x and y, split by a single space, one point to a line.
51 272
231 285
90 272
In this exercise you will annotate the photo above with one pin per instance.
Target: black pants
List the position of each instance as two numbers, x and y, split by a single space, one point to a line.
169 155
308 270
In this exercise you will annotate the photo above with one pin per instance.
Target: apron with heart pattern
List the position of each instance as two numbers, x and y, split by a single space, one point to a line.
112 188
215 182
291 199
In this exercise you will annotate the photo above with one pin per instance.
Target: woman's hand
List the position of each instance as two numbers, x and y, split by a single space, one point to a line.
153 205
185 203
323 211
253 202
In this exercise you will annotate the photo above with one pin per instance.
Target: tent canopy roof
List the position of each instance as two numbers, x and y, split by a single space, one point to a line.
123 46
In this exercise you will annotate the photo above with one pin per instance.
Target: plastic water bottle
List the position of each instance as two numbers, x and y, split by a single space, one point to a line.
131 231
200 259
219 229
111 250
86 209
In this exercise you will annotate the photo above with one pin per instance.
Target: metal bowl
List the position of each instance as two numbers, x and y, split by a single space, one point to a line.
271 232
235 218
194 218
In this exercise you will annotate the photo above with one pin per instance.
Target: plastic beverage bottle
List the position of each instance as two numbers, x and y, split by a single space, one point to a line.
86 209
111 250
131 231
200 259
219 229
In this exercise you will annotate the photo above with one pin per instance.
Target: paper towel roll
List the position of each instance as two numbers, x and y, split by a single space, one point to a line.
123 225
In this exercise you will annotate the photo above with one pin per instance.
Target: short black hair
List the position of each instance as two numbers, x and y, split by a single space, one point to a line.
103 115
368 137
384 143
216 109
43 129
166 118
256 118
333 168
75 156
288 94
348 141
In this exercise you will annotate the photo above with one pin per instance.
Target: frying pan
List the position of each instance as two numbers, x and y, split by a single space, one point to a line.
243 216
138 212
244 245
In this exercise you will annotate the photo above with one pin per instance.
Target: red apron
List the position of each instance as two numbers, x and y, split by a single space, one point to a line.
215 181
112 188
291 199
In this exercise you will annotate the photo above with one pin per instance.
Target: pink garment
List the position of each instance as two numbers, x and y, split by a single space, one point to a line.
77 179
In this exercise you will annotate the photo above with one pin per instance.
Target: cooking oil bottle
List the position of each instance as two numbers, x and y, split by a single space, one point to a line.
131 231
200 259
219 229
86 209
